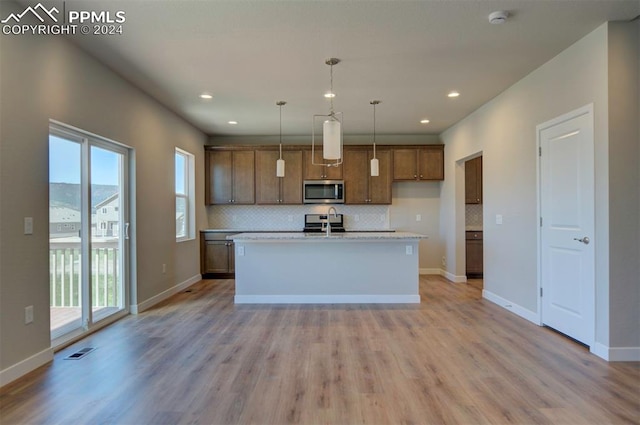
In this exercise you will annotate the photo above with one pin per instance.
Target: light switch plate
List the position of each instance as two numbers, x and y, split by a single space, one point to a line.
409 250
28 225
498 218
241 250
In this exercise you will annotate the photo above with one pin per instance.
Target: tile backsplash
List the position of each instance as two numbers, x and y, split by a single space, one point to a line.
291 217
473 217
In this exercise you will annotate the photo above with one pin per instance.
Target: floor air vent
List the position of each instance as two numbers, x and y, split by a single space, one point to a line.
79 354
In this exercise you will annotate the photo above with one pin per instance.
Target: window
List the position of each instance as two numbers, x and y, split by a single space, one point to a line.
104 210
185 195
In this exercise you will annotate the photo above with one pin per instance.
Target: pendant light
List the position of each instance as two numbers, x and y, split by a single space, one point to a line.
280 161
331 130
375 165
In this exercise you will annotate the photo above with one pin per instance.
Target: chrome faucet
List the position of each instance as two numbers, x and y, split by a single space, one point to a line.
335 214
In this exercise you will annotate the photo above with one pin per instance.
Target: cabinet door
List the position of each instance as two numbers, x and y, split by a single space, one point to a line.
220 177
231 256
291 183
267 184
473 181
380 186
356 176
405 164
216 257
318 172
471 194
431 163
244 177
474 257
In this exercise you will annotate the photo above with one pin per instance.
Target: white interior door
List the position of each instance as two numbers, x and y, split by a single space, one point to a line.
567 224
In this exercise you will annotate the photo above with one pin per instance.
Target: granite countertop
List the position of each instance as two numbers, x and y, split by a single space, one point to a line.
300 236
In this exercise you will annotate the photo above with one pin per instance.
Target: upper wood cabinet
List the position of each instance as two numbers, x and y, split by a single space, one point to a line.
473 181
418 163
318 172
360 186
278 190
230 177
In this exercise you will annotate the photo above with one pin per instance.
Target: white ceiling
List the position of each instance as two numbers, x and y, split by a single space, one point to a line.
408 54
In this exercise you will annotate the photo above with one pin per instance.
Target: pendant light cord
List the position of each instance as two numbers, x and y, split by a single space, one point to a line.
374 103
331 91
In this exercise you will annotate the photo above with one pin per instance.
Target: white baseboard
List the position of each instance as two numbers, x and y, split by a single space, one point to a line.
19 369
430 271
616 354
327 299
512 307
139 308
452 277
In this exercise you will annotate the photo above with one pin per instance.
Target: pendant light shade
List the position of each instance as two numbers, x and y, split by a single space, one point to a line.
331 135
375 167
280 161
280 168
331 131
375 164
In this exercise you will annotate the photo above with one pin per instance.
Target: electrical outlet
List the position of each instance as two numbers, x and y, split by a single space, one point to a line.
382 217
28 314
444 261
356 217
498 218
234 218
241 251
290 218
164 268
409 250
418 217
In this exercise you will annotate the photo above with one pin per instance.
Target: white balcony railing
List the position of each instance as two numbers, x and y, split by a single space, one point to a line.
65 271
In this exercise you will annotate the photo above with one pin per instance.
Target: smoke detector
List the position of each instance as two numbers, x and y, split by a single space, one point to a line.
498 17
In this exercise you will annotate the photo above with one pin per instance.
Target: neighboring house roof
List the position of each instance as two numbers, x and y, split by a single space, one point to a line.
108 201
63 215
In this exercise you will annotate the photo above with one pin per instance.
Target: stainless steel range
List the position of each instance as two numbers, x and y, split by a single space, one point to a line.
318 222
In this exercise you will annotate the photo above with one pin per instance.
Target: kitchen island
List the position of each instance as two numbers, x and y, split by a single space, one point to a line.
312 268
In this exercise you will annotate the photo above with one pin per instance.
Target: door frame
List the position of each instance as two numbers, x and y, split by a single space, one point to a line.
127 210
584 110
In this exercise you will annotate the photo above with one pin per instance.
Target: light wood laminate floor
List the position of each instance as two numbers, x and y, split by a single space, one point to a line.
453 359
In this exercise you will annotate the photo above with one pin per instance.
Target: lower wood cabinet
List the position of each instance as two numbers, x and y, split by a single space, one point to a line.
474 254
216 255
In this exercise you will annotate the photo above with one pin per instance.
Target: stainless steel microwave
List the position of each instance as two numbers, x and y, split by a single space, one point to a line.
323 191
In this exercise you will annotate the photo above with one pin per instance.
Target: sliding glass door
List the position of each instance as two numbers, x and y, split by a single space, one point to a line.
88 222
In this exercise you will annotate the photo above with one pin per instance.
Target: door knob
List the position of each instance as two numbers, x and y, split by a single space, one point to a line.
584 240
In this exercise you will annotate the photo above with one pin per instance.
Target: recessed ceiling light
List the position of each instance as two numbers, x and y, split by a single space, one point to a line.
206 96
424 121
454 94
233 122
329 95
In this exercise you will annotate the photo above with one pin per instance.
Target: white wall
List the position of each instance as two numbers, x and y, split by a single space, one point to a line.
624 184
504 130
46 77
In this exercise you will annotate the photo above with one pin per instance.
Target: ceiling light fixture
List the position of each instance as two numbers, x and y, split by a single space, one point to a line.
375 164
331 131
454 94
232 122
206 96
424 121
498 17
329 95
280 161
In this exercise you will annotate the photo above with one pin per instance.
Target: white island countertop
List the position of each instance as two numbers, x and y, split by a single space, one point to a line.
335 236
344 267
